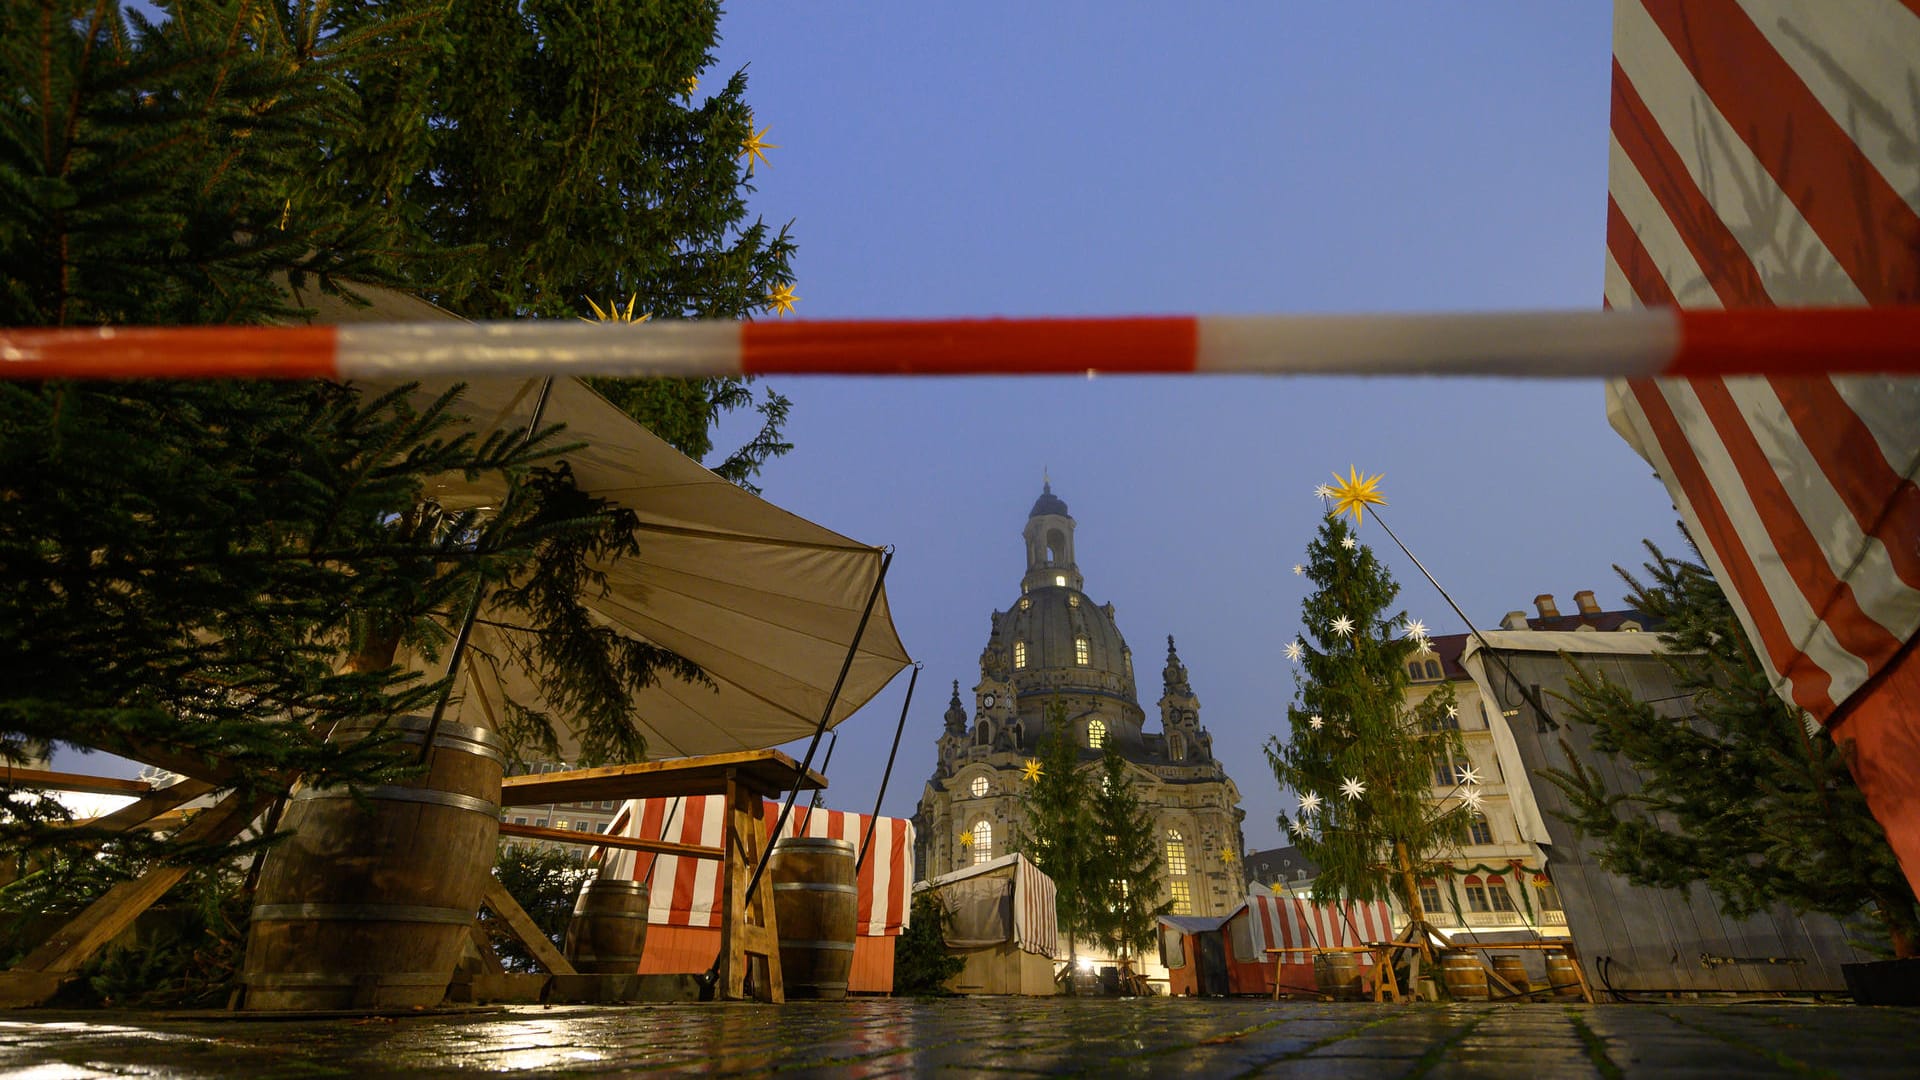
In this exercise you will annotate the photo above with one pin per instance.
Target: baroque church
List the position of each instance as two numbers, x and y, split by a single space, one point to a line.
1056 645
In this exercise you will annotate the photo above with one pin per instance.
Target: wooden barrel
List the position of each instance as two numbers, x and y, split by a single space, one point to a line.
1466 979
1337 974
1561 975
816 908
367 903
608 930
1512 969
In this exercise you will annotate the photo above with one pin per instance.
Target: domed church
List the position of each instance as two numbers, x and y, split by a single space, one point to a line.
1055 644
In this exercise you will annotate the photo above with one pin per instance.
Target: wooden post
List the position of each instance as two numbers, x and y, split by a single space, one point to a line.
501 902
747 930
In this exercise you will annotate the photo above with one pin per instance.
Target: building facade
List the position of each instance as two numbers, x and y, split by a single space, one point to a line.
1055 645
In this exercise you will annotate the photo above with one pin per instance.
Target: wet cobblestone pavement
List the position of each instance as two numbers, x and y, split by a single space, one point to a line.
1058 1036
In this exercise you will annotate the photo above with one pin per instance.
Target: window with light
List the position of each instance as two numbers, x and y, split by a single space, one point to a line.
982 841
1080 651
1477 895
1096 733
1182 898
1073 600
1498 894
1430 896
1176 852
978 787
1481 832
1060 580
1019 654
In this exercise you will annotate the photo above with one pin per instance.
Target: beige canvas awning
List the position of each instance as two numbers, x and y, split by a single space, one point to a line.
763 600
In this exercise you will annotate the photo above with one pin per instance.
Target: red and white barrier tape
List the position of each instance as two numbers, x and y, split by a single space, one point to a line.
1656 341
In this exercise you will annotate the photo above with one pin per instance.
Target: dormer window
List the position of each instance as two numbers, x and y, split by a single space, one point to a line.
1019 655
1080 651
1060 580
1073 600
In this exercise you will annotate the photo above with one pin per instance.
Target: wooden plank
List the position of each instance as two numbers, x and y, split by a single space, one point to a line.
764 772
48 780
191 763
587 839
501 902
103 920
145 809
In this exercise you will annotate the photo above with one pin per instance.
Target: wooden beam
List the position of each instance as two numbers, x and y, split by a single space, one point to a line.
191 763
501 902
104 919
767 772
587 839
48 780
148 807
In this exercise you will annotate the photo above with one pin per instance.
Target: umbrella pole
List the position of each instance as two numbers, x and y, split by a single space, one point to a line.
786 809
874 819
813 803
479 592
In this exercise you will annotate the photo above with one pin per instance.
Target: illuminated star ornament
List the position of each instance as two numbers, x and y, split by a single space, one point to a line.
1343 625
1352 787
755 146
1416 630
613 312
1294 651
1315 722
1323 491
1470 775
1349 543
1309 802
1299 829
781 299
1032 769
1298 569
1453 712
692 84
1471 796
1355 494
1426 647
966 838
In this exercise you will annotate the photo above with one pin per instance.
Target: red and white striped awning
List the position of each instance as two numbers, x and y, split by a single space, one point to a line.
1285 922
1766 154
686 891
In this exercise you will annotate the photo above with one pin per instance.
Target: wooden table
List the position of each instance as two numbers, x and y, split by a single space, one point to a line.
1383 977
747 778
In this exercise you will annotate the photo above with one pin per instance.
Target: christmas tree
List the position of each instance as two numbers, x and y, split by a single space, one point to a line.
191 567
1356 757
1055 832
1125 870
1745 796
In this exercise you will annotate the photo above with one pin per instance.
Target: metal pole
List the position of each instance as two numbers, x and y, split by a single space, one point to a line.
814 802
867 840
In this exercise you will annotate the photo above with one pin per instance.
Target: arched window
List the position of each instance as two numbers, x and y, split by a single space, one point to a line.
1477 894
1080 650
1096 733
982 841
1019 654
1176 852
1413 669
1498 894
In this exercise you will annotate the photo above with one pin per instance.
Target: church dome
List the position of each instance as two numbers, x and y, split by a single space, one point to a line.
1056 638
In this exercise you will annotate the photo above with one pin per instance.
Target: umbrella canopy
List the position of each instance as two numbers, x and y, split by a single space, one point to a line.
763 600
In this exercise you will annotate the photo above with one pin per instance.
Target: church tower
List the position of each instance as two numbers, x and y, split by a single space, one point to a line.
1054 645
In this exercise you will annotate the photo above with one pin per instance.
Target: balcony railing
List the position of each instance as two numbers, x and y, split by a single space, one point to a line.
1553 918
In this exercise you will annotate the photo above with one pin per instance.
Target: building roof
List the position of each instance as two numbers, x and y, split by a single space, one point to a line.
1048 502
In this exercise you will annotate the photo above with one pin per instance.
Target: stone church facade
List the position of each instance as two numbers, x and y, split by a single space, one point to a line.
1054 644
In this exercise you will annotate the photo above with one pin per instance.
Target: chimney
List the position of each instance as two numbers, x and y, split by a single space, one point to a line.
1545 603
1588 605
1515 620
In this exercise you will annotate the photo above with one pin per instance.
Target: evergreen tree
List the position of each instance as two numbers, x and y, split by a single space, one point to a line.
188 565
1056 830
1358 759
1125 868
1744 795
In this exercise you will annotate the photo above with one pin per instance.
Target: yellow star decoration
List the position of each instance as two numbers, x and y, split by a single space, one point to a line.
781 299
966 838
692 84
755 147
1226 855
1032 769
613 312
1354 494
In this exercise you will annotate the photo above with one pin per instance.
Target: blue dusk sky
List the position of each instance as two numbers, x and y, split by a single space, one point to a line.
1116 158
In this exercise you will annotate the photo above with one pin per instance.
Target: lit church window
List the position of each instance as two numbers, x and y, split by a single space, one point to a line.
1182 898
1080 651
1019 654
1176 852
983 842
1060 580
1096 733
979 787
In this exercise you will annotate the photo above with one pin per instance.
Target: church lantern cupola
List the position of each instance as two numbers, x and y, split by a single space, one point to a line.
1049 535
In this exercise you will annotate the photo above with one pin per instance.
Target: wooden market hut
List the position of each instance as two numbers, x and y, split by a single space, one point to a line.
1004 925
1227 955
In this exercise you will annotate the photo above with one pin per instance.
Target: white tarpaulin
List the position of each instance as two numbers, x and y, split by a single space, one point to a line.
764 601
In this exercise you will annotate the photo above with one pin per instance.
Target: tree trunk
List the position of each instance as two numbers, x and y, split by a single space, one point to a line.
1416 913
376 651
